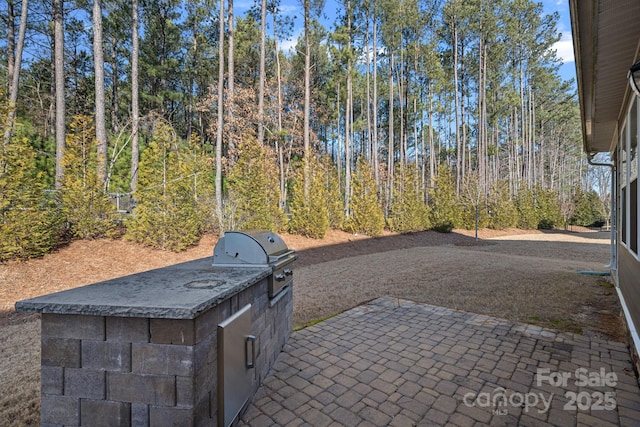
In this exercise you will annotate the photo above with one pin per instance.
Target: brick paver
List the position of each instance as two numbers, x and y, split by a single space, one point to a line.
399 363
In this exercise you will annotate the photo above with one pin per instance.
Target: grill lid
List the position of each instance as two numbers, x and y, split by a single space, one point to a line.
250 248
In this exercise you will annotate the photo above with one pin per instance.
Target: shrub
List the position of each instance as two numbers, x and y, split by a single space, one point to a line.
444 209
309 216
167 215
527 214
85 205
335 201
589 209
408 210
30 223
502 211
548 208
366 213
254 189
538 208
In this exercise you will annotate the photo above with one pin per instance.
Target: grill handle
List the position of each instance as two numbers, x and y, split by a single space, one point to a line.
250 339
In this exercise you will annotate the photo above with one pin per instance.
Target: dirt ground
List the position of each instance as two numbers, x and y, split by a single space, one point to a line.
514 274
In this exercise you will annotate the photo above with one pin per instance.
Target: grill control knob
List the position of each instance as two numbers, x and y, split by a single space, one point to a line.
280 277
288 272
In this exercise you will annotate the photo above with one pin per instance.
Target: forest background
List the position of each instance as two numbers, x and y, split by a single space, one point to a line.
163 120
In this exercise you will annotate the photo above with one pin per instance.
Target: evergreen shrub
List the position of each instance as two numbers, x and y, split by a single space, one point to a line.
366 215
167 215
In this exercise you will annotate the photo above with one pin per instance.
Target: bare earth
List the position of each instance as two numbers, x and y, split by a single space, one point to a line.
514 274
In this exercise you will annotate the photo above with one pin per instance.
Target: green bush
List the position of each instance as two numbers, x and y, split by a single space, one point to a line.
589 209
30 223
85 205
502 210
309 217
167 215
444 209
548 208
408 210
335 201
253 188
366 213
538 208
527 214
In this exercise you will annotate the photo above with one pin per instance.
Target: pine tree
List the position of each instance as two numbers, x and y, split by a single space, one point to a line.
85 205
548 208
310 217
408 211
334 201
589 209
444 209
502 211
253 189
167 215
29 222
366 216
525 204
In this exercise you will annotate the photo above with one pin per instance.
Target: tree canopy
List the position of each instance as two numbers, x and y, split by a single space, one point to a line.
406 114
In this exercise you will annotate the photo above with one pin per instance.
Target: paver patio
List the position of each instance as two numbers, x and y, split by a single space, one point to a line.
394 362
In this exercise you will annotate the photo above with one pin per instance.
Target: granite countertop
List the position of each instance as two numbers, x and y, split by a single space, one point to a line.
180 291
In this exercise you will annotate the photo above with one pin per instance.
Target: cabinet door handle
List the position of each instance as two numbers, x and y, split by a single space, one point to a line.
250 340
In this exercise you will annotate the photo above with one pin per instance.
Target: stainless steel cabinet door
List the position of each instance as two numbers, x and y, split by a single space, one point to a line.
236 358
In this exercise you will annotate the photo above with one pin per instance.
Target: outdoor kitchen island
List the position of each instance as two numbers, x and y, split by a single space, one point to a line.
182 345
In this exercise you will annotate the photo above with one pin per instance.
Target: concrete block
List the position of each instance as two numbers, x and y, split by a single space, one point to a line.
97 413
185 392
172 331
106 355
62 410
162 359
73 326
205 351
134 388
52 379
84 383
139 415
127 329
160 416
60 352
207 323
202 413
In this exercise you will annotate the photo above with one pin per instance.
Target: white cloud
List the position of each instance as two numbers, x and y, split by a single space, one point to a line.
290 45
564 49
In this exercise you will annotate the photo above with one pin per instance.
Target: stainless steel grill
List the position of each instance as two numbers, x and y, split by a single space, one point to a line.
257 249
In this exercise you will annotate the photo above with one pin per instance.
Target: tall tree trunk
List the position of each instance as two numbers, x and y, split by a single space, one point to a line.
58 32
263 53
456 85
11 42
280 140
432 146
15 63
115 126
376 170
348 121
101 128
220 120
307 98
390 154
231 147
369 150
135 109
